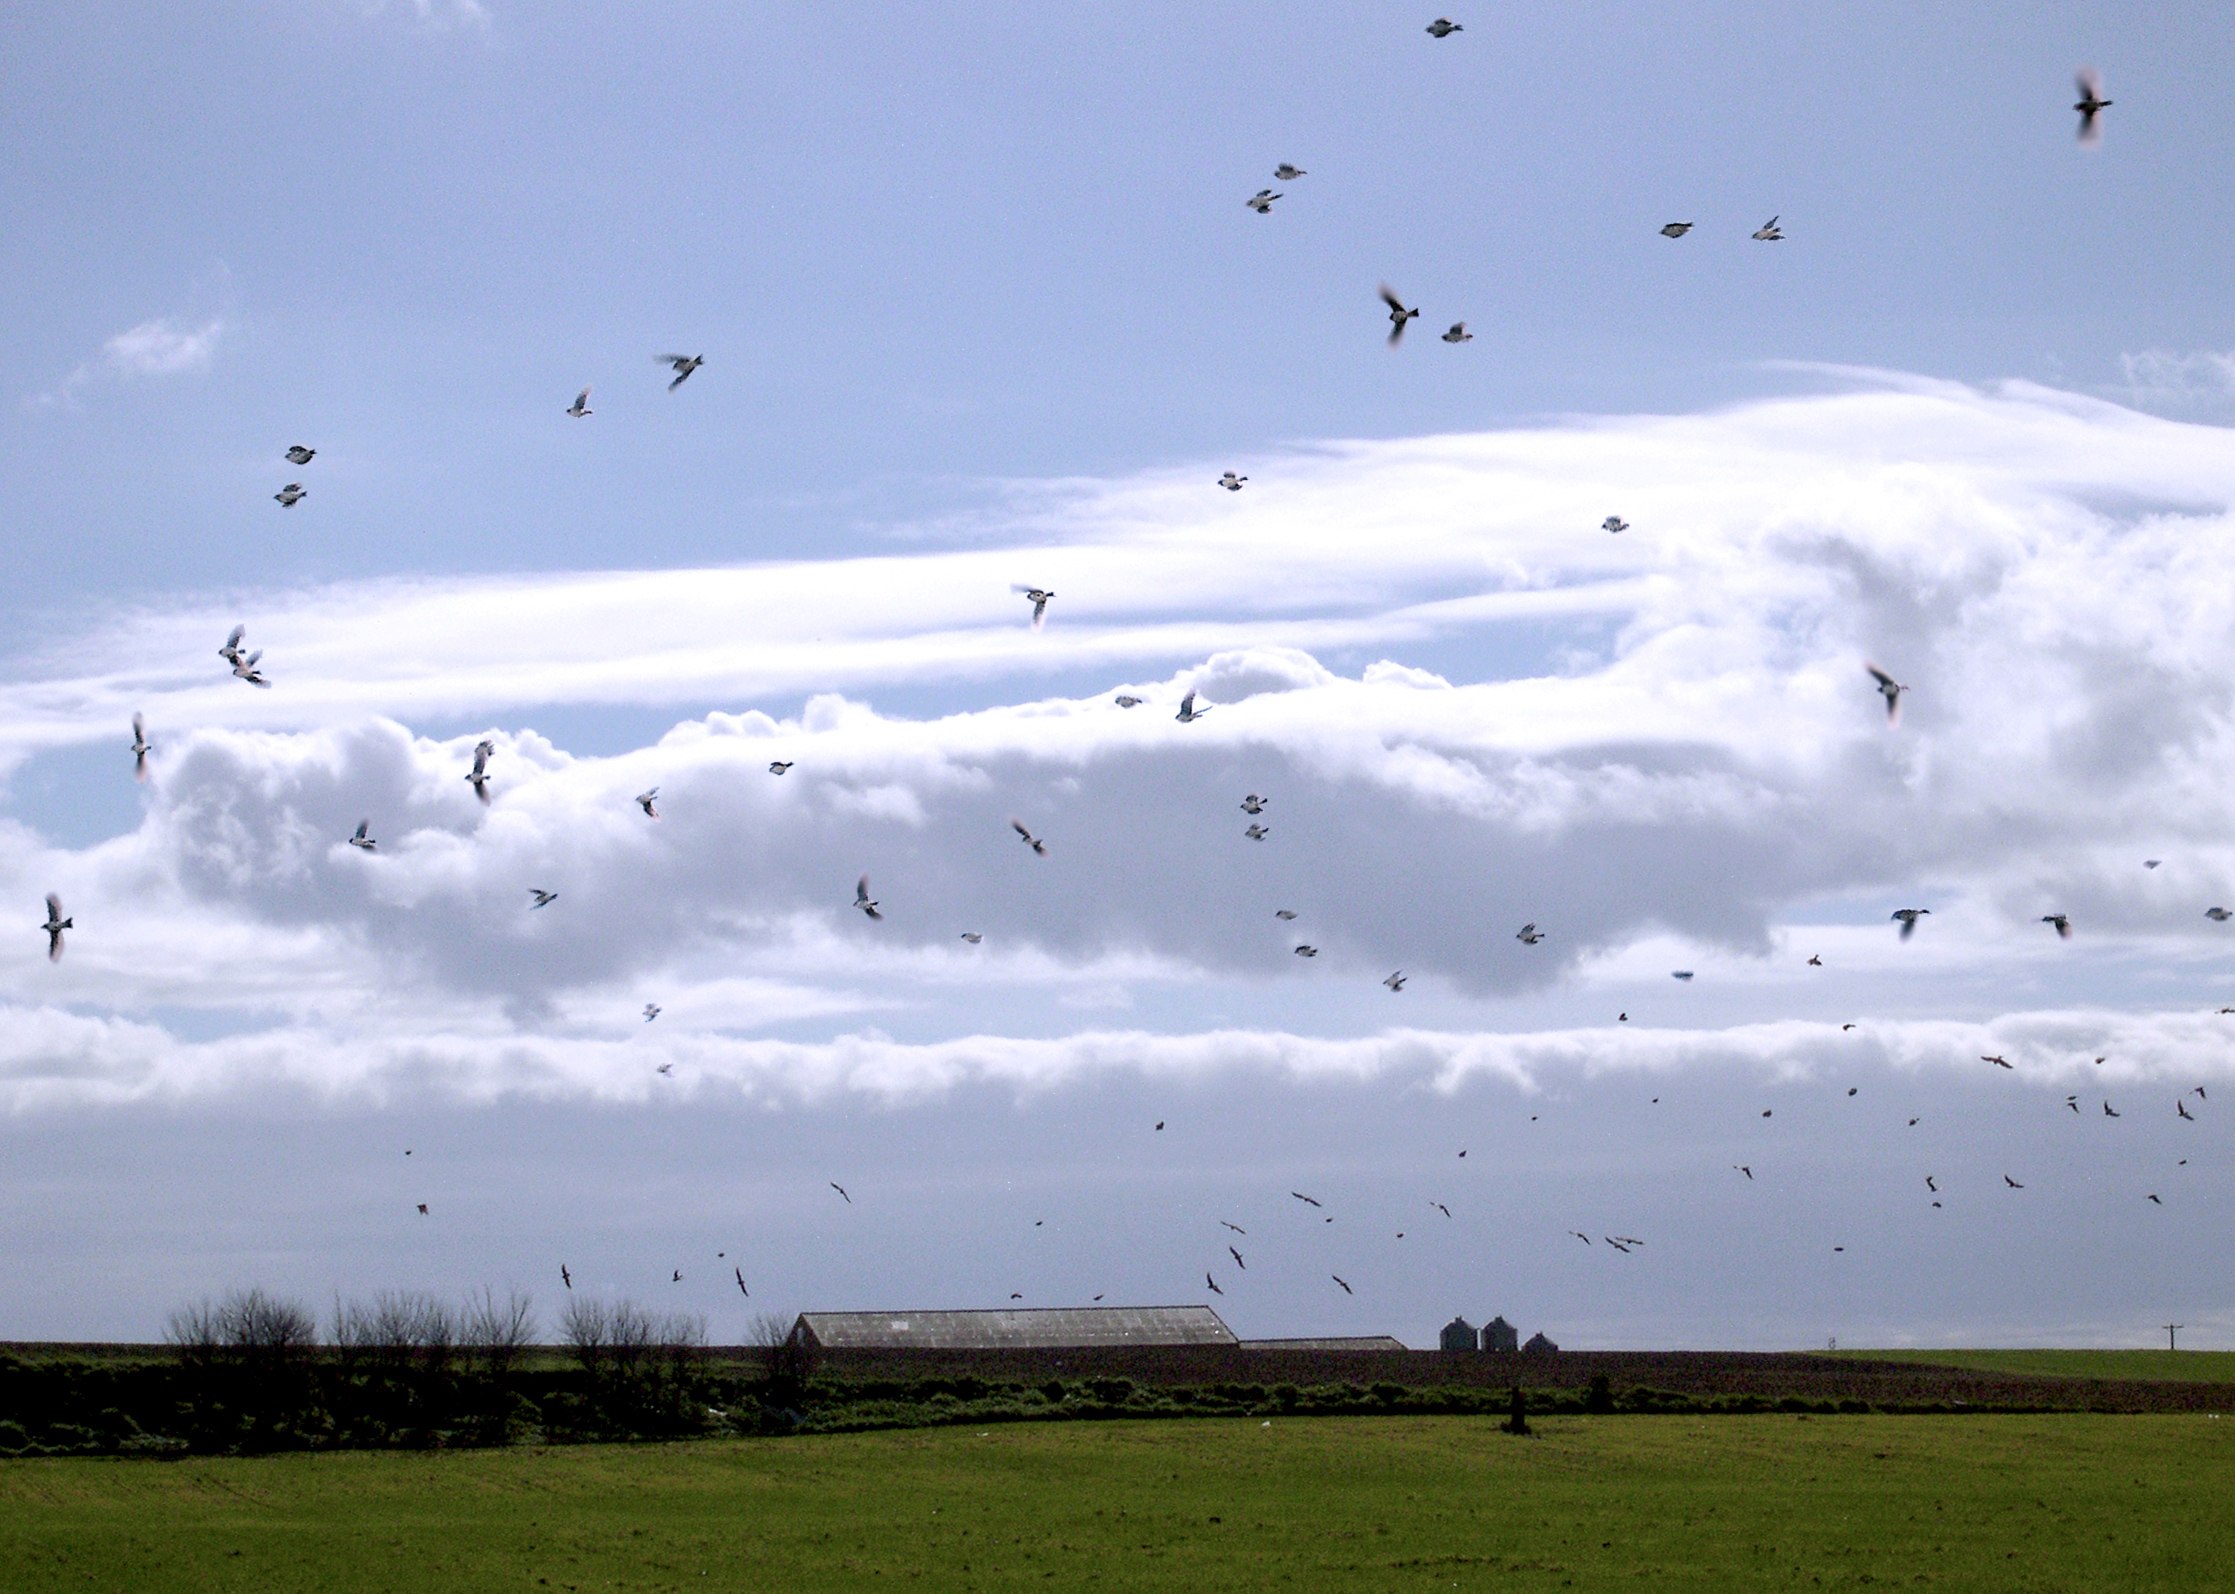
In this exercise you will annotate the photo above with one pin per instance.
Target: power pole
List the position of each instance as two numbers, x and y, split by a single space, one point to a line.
2173 1334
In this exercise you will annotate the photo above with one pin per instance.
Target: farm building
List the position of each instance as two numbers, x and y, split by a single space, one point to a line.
1458 1334
1539 1345
1014 1328
1329 1342
1498 1334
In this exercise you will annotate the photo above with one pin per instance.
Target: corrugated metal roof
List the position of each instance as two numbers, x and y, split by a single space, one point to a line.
1340 1342
1018 1328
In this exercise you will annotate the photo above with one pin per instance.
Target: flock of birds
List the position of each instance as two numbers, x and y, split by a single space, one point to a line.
247 667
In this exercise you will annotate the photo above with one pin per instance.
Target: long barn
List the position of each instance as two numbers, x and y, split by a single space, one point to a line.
1017 1328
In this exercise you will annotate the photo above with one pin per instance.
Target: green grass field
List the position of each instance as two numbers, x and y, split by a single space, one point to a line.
2035 1503
2188 1366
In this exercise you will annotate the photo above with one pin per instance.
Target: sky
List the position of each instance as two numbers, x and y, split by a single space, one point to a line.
982 309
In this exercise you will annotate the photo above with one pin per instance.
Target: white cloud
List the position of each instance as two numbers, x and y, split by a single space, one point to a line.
2202 379
160 348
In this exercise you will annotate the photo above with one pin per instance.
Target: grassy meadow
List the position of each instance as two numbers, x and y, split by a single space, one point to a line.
2159 1366
1994 1502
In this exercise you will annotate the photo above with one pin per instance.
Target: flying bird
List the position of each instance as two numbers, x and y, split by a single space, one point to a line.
297 454
1284 914
54 927
2182 1108
1261 201
1458 333
1039 847
1236 1227
422 1209
291 495
2151 863
1287 173
678 1278
565 1277
1307 1200
1127 700
1740 1167
1237 1256
2062 925
1932 1184
1439 1206
1254 804
1615 524
646 800
141 747
1338 1278
973 936
581 405
543 898
1579 1234
2217 915
2012 1183
841 1189
245 668
1189 713
231 651
1396 982
1814 961
1444 28
2109 1111
1231 482
1889 689
651 1011
361 840
777 766
1528 934
1998 1060
1257 832
864 901
478 776
1398 314
2154 1199
2091 104
1767 232
1908 918
684 365
1680 974
2073 1102
1676 229
1304 951
1212 1285
741 1289
1038 596
1617 1244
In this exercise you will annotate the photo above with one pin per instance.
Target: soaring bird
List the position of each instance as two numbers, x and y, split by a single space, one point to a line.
2109 1111
1458 333
1615 524
1398 314
651 1011
1396 982
55 925
1254 804
1889 689
1676 229
2218 915
1932 1184
1287 173
245 668
1998 1060
1307 1200
543 898
1261 201
1212 1285
2091 103
1767 232
581 405
684 365
973 936
864 901
1579 1234
741 1289
2181 1107
678 1278
1237 1256
1439 1206
2073 1102
1284 914
1814 961
141 747
422 1209
841 1189
1231 482
1617 1244
478 776
1236 1227
1528 934
1038 597
2012 1183
1443 28
646 800
1305 951
2062 925
565 1277
231 651
361 840
1038 846
2151 863
291 495
1740 1167
1127 700
297 454
1189 713
1908 917
1338 1278
1257 832
2155 1200
777 766
1680 974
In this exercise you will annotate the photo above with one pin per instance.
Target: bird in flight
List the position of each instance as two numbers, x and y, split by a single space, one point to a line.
1676 229
1237 1256
2073 1102
2155 1200
1617 1244
684 365
1579 1234
1236 1227
1680 974
1338 1278
1284 914
678 1276
543 898
478 776
1908 918
1189 713
1396 982
1398 314
646 799
1814 961
1740 1167
141 747
973 936
1443 28
297 454
651 1011
1615 524
864 901
1305 951
2181 1107
565 1277
1231 482
1038 597
54 927
2109 1111
1458 333
1261 201
2012 1183
1528 934
291 495
2218 915
777 766
1254 804
1127 700
1307 1200
741 1289
581 405
361 840
2091 104
1287 173
1998 1060
2061 924
1212 1285
245 667
841 1189
231 651
1889 689
1257 832
1039 847
1767 232
422 1209
1932 1184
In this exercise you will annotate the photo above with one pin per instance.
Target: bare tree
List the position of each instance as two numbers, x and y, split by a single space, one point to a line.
192 1333
500 1330
632 1332
588 1332
787 1359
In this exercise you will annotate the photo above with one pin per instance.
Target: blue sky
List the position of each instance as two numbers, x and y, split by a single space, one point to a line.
981 305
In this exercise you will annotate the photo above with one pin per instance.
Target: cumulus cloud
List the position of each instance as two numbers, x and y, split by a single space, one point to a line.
157 348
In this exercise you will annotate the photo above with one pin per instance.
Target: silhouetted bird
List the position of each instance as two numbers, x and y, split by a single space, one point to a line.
1307 1200
54 927
841 1189
1212 1285
864 901
1038 597
1398 314
543 898
478 776
1444 28
1889 689
1338 1278
141 747
565 1277
684 365
581 405
1030 840
2091 105
2061 924
297 454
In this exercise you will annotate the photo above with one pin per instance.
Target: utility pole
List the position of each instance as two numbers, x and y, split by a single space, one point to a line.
2173 1334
